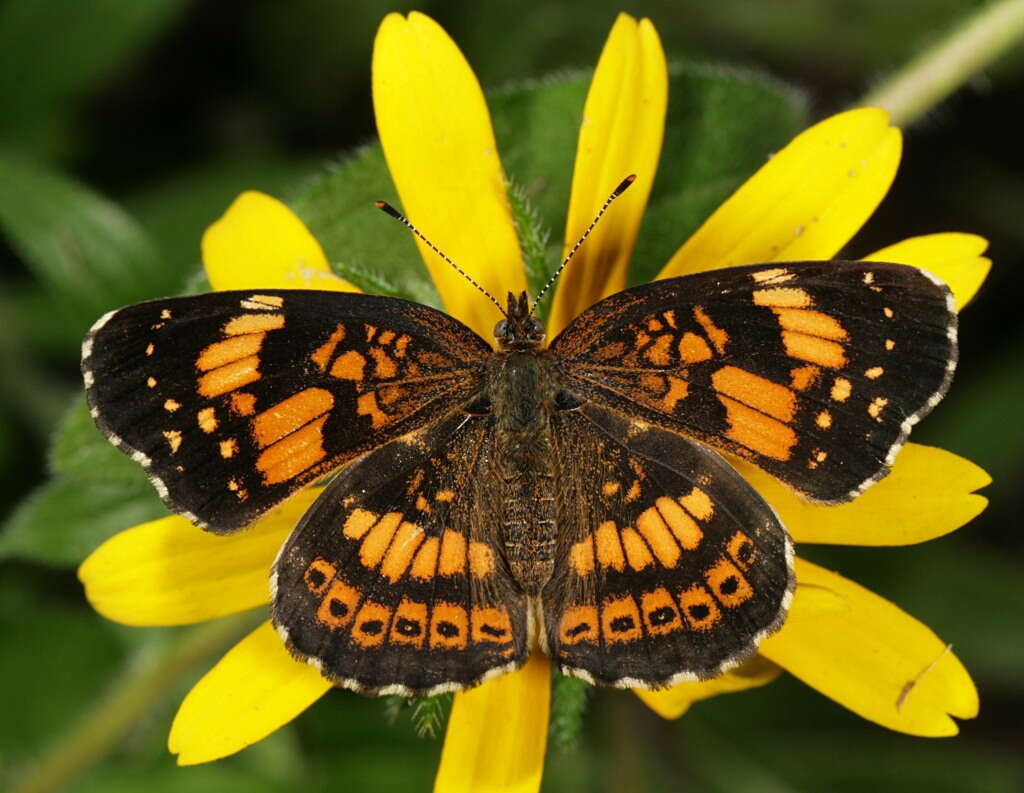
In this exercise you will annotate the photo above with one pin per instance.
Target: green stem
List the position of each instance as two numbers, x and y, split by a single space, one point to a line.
947 65
100 727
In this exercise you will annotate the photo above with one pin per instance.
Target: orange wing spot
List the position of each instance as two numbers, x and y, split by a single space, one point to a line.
444 495
876 407
318 575
728 584
782 297
253 323
376 543
453 553
207 420
149 349
490 625
741 549
693 349
717 336
232 349
366 405
677 390
386 337
290 414
422 504
814 349
841 389
823 419
758 432
888 312
243 404
874 372
654 324
890 344
410 623
151 382
173 439
654 383
399 555
424 565
609 548
449 627
384 365
699 504
228 448
415 482
775 275
481 559
579 624
229 377
266 301
370 332
293 454
371 624
620 620
655 531
610 488
322 354
349 366
661 616
401 345
615 349
699 608
165 314
634 492
670 317
804 377
813 323
637 553
337 608
171 405
683 526
581 557
658 353
358 523
755 391
641 340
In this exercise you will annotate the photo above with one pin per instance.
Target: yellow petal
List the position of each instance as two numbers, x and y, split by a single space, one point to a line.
806 202
169 572
952 256
260 243
254 689
671 703
621 133
497 734
927 494
869 656
437 138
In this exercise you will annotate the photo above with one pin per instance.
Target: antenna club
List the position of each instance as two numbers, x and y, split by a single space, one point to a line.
623 185
384 206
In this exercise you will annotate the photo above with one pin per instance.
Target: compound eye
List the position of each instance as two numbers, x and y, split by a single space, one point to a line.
501 329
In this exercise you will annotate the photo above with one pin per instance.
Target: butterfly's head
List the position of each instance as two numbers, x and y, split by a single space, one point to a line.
520 330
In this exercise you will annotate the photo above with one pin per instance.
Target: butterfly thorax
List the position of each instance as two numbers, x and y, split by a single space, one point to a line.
522 401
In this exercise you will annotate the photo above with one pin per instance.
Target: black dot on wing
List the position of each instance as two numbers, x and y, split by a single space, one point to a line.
490 630
447 629
699 612
729 585
372 627
317 577
622 624
745 553
583 627
407 627
338 609
661 616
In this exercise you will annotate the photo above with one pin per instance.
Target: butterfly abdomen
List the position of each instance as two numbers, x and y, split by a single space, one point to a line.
522 462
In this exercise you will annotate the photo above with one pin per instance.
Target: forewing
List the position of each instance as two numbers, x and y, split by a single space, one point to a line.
392 582
670 566
233 400
815 371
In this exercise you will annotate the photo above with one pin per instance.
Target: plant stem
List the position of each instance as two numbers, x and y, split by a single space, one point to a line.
944 67
135 692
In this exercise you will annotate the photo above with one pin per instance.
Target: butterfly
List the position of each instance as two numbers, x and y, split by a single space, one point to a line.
572 496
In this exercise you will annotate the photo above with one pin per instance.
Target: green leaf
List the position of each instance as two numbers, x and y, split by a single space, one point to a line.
568 706
52 52
90 254
64 520
81 452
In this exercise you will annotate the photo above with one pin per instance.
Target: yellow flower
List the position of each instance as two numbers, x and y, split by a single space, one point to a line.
806 203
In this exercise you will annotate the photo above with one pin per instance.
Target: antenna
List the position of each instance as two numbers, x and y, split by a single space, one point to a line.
615 194
386 207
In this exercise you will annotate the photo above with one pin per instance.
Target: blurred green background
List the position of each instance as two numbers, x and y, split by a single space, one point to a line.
126 128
